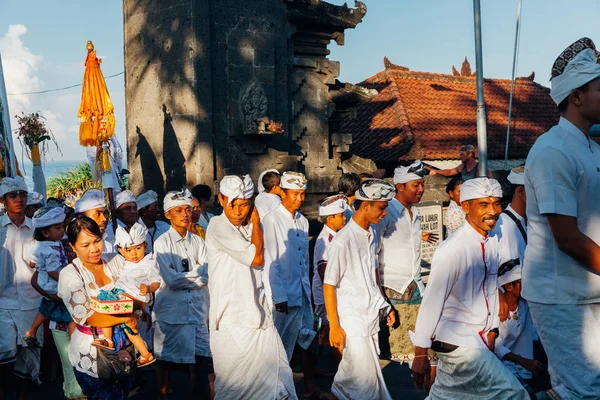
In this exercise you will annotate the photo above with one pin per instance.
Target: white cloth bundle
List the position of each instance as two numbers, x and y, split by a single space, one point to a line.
34 198
135 236
146 198
478 188
413 172
583 68
90 200
293 180
175 199
233 187
517 176
261 188
375 190
48 216
12 185
126 196
333 205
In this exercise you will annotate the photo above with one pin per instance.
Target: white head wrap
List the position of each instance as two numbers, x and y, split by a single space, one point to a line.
146 198
293 180
261 188
135 236
478 188
126 196
175 199
333 205
34 198
509 272
90 200
581 69
233 187
517 176
413 172
48 216
12 185
375 190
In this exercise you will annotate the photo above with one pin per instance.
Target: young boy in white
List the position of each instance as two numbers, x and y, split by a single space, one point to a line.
353 296
249 359
139 279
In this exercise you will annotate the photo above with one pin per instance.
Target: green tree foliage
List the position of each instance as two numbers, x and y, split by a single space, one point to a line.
73 183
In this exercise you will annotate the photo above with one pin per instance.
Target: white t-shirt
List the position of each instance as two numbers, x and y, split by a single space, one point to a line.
562 176
320 257
48 257
400 257
352 269
236 288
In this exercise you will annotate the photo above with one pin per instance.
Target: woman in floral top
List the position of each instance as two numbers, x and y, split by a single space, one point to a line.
84 277
455 216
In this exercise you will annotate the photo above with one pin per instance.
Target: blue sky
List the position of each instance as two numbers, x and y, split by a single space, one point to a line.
43 46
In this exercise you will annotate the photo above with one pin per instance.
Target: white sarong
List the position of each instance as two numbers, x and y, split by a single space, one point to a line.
569 333
359 374
295 327
474 374
13 325
180 343
250 364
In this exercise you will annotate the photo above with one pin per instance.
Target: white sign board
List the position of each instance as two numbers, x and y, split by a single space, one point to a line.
431 221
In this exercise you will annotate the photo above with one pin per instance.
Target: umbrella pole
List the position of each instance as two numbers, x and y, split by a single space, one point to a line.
481 117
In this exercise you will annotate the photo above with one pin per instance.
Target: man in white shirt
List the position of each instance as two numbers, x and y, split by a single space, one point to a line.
269 192
149 212
127 209
249 359
287 266
459 313
92 204
354 299
19 301
180 310
512 225
561 275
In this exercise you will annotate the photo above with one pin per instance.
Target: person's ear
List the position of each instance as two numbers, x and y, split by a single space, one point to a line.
45 233
466 206
521 191
121 251
168 215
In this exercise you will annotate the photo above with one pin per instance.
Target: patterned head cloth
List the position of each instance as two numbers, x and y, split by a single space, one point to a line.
575 67
233 187
375 190
333 205
48 216
261 187
135 236
15 184
413 172
175 199
478 188
517 176
146 198
35 198
293 180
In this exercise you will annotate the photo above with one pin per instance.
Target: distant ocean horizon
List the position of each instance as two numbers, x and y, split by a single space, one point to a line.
51 169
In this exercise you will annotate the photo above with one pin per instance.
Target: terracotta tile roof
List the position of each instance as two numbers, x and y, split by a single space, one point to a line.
421 115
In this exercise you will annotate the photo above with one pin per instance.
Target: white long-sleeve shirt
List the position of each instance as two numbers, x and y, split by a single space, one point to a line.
460 305
286 257
236 288
265 203
16 243
400 256
516 336
320 257
352 269
183 296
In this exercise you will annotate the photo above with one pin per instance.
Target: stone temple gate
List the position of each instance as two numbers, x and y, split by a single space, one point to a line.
203 77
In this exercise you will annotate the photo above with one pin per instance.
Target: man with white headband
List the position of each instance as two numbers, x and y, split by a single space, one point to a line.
179 314
561 275
353 296
127 209
332 214
287 266
18 300
269 192
93 205
400 255
35 201
459 313
249 358
149 212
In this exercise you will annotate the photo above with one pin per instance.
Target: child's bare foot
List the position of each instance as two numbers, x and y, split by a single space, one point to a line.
144 361
106 344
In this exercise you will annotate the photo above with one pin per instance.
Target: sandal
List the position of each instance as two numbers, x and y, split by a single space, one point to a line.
105 344
31 341
145 361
